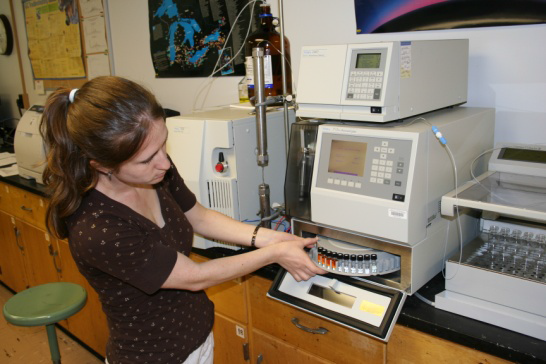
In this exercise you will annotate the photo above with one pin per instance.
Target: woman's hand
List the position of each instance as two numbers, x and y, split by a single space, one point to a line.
291 256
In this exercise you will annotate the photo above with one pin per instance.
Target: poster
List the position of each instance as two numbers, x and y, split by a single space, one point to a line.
387 16
54 40
189 38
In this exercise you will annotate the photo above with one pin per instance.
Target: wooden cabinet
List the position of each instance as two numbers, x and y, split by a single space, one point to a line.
30 249
28 207
230 329
268 349
410 346
338 344
90 324
230 340
30 256
12 264
249 327
41 254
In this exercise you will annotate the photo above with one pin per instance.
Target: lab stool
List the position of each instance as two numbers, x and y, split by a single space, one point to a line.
46 304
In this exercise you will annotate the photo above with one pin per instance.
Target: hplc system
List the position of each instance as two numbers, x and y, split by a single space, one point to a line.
383 81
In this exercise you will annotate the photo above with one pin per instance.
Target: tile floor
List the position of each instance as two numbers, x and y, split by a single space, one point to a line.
28 345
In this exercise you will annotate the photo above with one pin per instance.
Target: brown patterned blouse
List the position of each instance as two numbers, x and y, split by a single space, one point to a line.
126 258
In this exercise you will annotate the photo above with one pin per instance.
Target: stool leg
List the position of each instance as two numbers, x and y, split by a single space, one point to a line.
53 344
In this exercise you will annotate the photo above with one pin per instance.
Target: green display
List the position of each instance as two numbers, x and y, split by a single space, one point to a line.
368 60
523 155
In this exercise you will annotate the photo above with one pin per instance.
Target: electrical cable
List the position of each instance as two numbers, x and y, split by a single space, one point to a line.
209 80
425 300
443 141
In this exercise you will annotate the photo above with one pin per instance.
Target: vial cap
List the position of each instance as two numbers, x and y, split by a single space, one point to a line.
374 256
367 257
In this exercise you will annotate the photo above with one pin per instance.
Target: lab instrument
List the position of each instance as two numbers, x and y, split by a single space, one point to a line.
30 150
381 81
501 277
216 150
374 204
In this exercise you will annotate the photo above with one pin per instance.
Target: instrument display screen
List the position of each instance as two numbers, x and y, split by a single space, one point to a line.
368 60
523 155
347 158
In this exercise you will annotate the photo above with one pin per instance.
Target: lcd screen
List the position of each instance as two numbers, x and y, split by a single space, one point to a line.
329 294
368 60
523 155
347 158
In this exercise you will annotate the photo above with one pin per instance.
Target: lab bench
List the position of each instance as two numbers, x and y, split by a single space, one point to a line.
252 325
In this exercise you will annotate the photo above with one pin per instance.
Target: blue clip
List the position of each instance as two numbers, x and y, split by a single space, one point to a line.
438 135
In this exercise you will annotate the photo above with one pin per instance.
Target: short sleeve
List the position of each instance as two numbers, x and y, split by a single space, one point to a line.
181 193
122 249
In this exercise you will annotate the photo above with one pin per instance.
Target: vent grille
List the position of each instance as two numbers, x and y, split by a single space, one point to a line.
221 200
220 197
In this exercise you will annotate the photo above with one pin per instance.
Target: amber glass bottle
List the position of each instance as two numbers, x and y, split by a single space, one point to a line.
268 38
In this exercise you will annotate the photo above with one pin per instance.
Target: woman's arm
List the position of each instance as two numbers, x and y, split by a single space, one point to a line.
189 275
215 225
275 247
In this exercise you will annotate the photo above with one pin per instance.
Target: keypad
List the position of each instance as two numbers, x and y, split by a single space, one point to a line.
383 166
365 85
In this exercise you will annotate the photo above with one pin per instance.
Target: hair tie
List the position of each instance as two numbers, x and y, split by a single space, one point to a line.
72 94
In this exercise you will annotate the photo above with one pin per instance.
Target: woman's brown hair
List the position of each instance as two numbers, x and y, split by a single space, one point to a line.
106 121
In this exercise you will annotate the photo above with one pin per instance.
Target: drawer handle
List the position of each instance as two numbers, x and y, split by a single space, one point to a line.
320 330
26 208
17 233
54 254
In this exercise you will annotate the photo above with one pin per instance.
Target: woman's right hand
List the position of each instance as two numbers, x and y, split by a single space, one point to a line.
292 257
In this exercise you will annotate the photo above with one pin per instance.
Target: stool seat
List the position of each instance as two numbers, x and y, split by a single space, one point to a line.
45 304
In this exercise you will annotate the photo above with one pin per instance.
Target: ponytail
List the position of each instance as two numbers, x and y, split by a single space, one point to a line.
65 189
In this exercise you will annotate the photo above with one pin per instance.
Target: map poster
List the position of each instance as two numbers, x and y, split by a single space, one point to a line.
54 41
188 37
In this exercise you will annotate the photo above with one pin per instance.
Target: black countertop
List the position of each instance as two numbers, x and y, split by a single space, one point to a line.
415 314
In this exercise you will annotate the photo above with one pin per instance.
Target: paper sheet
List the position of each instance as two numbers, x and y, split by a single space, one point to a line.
9 171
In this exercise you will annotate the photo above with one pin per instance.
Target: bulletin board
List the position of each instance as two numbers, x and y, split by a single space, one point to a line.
67 42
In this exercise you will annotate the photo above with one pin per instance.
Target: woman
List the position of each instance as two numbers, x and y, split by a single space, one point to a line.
130 219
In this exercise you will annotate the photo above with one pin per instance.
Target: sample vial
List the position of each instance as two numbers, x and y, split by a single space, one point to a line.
367 263
334 261
346 263
374 264
320 258
340 262
353 263
328 256
360 264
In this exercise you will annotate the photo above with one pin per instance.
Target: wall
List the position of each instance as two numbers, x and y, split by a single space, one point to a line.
506 63
10 77
506 66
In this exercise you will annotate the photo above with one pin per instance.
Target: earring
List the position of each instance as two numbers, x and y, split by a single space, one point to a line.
109 174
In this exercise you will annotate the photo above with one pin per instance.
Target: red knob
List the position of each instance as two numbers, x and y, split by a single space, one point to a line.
219 167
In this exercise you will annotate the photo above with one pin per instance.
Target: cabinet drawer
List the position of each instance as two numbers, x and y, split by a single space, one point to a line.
339 344
229 297
28 206
274 351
